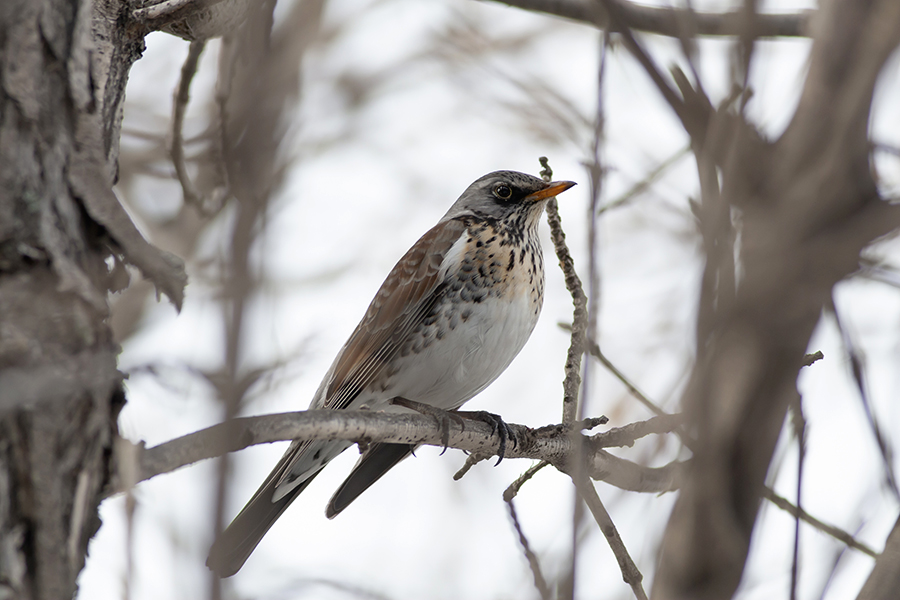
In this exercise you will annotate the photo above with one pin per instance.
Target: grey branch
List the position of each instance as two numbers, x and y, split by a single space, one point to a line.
630 573
367 426
572 383
672 22
835 532
540 582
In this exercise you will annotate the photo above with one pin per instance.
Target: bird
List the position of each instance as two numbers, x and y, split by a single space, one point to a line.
451 316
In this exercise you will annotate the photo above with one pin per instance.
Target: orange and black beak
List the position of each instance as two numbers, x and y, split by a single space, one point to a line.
553 188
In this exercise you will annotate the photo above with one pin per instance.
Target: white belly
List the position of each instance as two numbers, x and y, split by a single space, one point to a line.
468 358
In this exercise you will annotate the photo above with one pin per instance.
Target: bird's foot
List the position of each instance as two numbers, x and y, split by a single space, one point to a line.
441 416
498 426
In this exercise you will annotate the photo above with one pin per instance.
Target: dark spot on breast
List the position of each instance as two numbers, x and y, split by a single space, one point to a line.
512 261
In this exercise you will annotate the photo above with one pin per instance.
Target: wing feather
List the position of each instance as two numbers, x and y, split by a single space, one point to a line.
404 300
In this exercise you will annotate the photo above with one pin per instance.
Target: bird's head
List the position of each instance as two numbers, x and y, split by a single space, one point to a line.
505 194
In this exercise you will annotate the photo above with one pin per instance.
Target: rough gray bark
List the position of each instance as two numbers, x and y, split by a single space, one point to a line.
809 205
63 69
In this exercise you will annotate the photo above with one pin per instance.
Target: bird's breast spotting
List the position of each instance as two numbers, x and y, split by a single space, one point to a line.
489 302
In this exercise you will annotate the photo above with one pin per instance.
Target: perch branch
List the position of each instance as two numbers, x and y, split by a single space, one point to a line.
556 448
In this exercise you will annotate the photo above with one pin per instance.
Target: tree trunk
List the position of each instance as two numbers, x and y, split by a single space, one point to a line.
64 240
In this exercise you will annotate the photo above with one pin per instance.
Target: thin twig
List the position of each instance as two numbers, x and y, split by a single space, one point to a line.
664 20
513 490
595 351
630 573
471 460
628 434
170 10
687 39
887 453
572 382
641 186
835 532
618 22
798 422
813 358
560 428
539 581
179 108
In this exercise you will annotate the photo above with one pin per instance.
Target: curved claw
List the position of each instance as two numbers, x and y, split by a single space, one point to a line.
498 426
442 418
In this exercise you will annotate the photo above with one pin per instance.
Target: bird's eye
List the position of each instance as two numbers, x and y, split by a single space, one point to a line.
502 191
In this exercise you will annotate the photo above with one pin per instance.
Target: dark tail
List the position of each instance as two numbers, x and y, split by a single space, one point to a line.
233 546
377 460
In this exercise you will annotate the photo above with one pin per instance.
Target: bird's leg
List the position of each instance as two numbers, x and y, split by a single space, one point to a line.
498 426
441 416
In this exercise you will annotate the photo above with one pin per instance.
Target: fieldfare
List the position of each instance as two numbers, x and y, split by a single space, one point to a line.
447 321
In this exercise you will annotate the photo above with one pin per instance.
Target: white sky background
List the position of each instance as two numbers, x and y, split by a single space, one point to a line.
349 212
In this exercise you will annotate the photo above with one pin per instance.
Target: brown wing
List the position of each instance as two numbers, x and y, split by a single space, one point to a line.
404 299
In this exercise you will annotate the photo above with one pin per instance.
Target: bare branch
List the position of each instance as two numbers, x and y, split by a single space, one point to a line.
806 216
366 426
856 364
627 435
89 179
665 21
640 187
513 490
630 572
811 359
471 461
835 532
620 25
572 382
171 9
798 424
539 581
595 351
181 13
179 108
